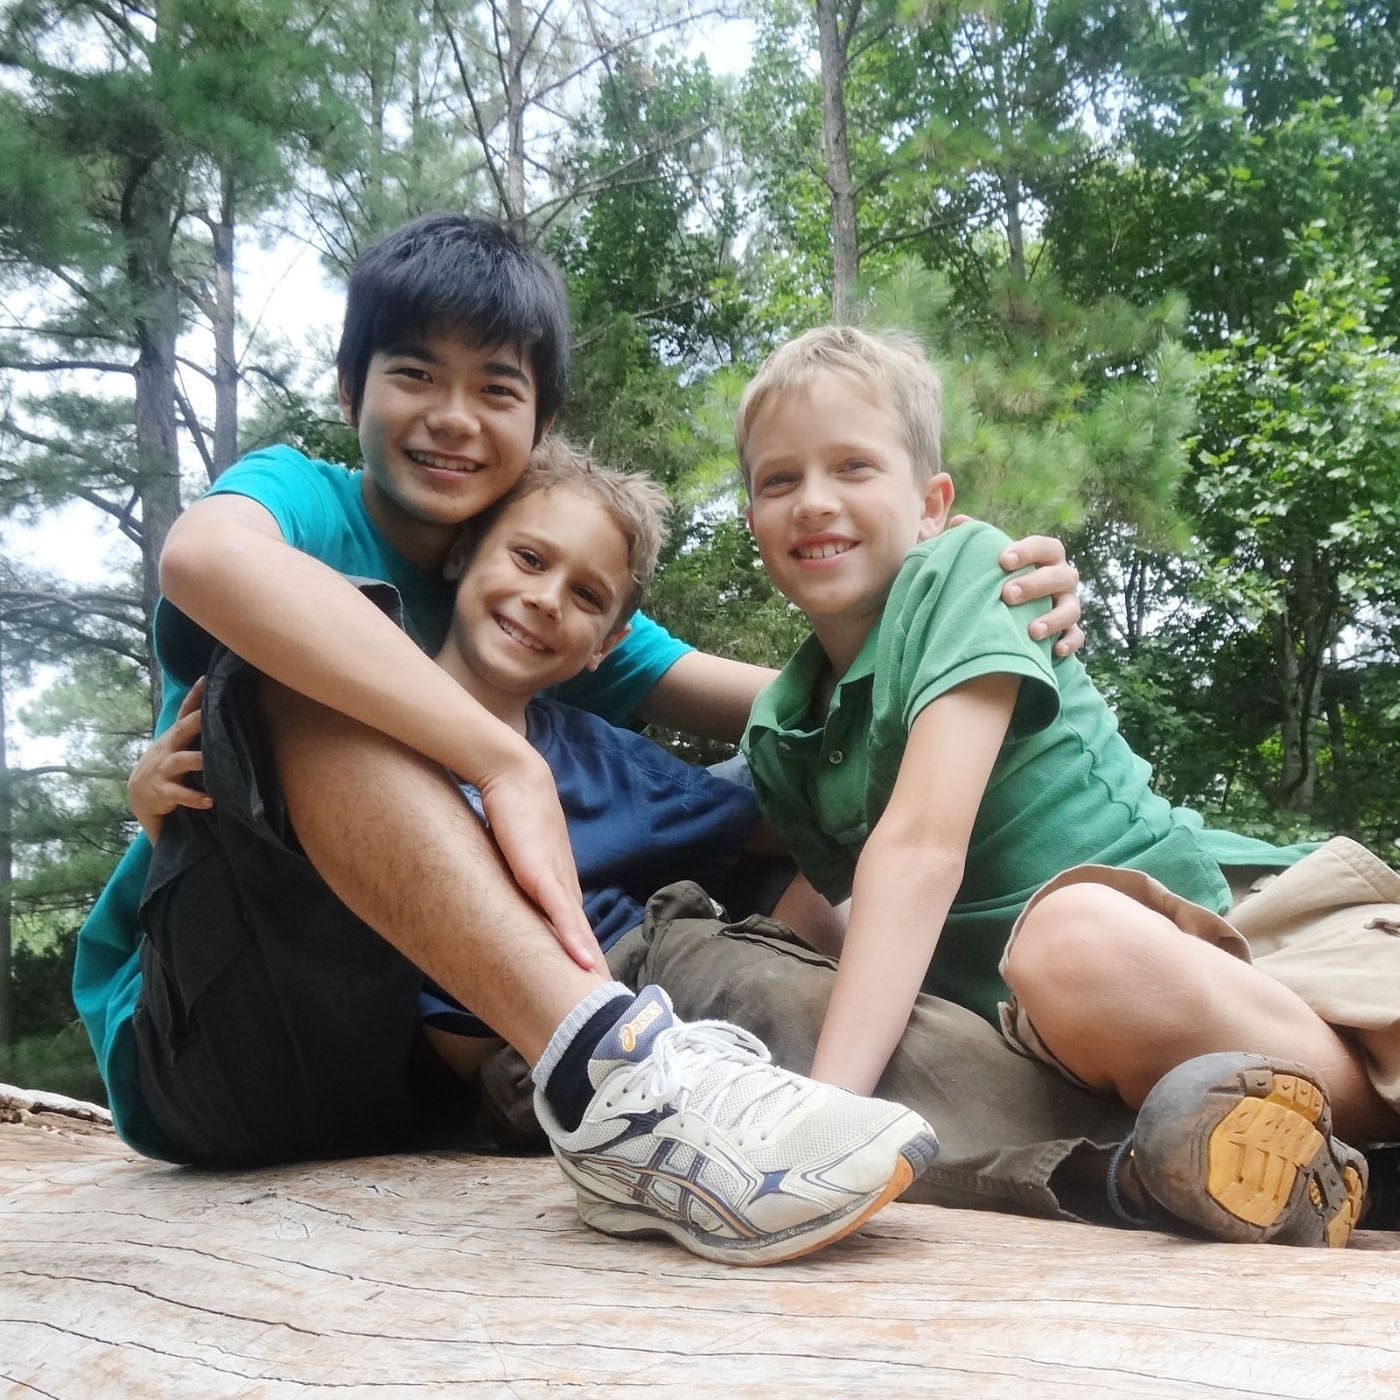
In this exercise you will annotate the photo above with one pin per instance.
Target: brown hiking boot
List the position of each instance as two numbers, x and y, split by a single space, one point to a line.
1240 1147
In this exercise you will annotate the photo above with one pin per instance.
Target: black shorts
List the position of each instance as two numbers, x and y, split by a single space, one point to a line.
272 1025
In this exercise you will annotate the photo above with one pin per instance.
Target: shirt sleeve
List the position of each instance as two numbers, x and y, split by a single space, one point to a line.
945 624
616 690
290 487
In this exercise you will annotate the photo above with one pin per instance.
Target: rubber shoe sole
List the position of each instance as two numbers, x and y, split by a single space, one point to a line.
1241 1147
613 1218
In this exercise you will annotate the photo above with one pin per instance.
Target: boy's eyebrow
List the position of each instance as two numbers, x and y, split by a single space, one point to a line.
506 370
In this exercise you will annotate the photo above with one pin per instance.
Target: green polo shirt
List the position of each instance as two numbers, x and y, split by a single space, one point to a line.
1066 789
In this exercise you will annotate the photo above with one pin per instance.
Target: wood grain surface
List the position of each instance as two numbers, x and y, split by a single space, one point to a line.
464 1275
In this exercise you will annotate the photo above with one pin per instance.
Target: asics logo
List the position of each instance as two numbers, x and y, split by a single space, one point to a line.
633 1028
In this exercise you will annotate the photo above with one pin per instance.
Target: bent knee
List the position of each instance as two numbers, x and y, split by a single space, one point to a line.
1076 938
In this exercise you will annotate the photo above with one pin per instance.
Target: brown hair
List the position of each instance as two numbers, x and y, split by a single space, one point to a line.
636 503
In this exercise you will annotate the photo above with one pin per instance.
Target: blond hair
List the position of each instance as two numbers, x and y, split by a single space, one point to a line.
637 505
891 365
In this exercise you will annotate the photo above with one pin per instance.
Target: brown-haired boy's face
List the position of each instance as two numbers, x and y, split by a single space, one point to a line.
540 597
446 430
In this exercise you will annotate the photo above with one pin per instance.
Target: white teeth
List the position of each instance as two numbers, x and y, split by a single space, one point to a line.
519 635
445 464
822 551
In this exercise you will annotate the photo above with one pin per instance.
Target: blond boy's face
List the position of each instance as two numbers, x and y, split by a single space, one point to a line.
835 501
540 597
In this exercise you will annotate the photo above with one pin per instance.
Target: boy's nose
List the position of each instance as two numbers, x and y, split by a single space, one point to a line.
544 597
452 416
814 501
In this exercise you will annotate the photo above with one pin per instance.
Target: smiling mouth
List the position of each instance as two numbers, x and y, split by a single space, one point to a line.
459 465
829 549
518 634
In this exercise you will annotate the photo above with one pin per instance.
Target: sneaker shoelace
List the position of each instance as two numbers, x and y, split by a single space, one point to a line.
699 1063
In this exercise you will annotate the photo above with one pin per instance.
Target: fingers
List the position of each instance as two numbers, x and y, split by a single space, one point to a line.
1058 581
178 795
1036 550
182 733
183 761
956 520
1072 640
571 927
192 701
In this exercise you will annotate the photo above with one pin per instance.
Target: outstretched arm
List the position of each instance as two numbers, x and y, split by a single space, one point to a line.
907 877
227 567
711 696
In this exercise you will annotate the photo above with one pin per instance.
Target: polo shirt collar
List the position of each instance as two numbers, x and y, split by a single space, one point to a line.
785 706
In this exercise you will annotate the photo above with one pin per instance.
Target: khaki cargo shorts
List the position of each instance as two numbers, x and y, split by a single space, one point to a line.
1328 928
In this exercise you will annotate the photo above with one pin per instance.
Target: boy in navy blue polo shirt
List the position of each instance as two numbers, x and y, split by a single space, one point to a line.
638 817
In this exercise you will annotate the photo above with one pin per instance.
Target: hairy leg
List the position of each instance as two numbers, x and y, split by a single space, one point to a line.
1120 995
389 833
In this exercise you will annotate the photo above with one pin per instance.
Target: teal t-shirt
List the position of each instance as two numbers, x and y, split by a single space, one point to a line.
319 509
1066 789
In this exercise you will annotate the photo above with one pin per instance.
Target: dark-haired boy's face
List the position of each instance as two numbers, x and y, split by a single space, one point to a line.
446 429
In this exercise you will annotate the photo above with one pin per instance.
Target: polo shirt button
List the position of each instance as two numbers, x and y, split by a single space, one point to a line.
836 756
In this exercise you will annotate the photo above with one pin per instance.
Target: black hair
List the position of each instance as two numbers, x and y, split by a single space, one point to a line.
469 275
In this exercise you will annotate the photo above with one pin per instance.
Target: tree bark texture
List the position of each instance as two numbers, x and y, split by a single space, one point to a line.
834 45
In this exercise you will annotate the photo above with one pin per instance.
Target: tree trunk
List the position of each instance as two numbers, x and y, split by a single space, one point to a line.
1302 635
515 118
150 219
1015 233
380 56
845 247
1295 778
7 858
225 351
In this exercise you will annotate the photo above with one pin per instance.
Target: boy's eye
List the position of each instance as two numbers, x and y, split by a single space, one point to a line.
413 372
776 481
502 391
589 597
857 464
529 558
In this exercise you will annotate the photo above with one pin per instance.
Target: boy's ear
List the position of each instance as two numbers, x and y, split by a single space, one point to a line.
938 501
607 645
455 565
342 392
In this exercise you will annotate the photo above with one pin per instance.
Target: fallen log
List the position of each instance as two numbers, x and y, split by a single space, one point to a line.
459 1274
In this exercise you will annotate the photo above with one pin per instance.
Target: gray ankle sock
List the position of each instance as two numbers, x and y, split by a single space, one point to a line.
574 1022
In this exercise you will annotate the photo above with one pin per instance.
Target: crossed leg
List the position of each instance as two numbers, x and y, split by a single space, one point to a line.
1120 996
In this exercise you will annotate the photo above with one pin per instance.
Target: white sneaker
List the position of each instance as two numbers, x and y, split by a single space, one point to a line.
694 1133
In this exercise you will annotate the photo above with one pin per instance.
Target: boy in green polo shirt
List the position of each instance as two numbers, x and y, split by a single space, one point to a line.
923 757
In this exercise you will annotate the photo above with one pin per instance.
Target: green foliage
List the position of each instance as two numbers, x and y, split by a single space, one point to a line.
1053 411
59 1061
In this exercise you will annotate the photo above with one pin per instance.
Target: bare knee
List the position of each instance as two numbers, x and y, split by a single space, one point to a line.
1073 948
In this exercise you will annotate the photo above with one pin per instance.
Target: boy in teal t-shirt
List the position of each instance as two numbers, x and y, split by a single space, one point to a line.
921 756
253 995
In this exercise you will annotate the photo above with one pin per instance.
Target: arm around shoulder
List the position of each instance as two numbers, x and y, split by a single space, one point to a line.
706 695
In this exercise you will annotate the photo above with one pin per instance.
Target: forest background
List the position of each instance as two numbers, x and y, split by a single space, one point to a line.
1151 245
